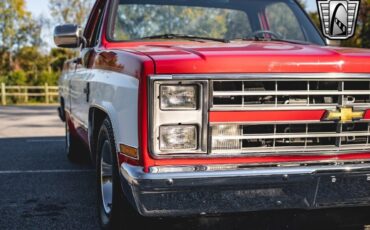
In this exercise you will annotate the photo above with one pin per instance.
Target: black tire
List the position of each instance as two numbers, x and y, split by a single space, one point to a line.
73 147
121 215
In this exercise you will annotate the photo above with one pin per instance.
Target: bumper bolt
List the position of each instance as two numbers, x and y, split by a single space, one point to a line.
169 182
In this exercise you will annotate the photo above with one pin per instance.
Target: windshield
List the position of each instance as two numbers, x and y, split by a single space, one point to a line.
218 19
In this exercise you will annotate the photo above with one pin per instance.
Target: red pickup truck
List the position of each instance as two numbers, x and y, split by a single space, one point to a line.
215 106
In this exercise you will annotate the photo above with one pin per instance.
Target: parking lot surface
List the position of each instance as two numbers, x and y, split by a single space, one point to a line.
41 189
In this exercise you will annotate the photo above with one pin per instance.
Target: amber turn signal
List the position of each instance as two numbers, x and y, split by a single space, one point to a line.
129 151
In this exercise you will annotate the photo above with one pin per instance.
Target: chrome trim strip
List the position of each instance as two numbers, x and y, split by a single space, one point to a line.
135 174
330 150
290 92
266 153
271 76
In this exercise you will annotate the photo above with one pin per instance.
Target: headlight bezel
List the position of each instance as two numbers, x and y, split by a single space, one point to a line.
159 117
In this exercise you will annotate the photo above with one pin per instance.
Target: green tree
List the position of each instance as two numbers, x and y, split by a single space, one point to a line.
58 57
16 78
70 11
316 19
17 28
364 18
32 62
361 37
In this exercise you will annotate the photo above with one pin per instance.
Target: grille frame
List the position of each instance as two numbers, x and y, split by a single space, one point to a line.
341 93
271 77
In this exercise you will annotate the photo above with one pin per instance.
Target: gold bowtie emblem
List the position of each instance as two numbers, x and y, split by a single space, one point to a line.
345 114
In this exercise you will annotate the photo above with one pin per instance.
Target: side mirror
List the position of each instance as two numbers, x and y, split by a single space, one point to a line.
68 36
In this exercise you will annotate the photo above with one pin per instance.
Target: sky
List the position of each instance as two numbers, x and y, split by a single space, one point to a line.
311 5
41 8
38 7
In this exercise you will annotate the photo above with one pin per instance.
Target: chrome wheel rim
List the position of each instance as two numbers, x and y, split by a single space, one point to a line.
106 176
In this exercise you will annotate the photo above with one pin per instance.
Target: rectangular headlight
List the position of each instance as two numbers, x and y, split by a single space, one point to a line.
181 137
179 97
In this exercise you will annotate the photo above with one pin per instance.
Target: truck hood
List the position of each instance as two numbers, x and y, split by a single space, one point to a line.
253 57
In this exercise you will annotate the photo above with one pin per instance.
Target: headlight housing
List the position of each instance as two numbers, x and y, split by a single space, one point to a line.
178 116
179 97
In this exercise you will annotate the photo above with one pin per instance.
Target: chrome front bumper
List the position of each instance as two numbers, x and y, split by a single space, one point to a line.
217 192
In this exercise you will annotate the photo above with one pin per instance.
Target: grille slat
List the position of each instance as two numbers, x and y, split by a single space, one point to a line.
289 136
293 93
293 150
282 94
296 137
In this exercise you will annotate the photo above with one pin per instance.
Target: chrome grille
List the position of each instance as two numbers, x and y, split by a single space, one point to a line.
289 94
293 137
272 139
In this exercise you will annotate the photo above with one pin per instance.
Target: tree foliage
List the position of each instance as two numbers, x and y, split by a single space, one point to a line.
17 29
363 34
70 11
23 61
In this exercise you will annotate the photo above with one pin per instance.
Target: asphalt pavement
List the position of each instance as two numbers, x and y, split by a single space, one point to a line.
41 189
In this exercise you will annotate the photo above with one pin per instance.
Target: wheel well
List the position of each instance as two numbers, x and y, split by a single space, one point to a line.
62 103
96 118
61 110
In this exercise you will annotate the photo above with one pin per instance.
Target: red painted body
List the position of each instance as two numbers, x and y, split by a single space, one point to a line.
263 57
253 116
241 57
142 59
76 130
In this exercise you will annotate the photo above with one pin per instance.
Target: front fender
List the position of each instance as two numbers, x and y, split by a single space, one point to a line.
117 95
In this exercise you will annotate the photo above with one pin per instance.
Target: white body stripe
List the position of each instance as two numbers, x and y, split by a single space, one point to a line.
117 94
114 93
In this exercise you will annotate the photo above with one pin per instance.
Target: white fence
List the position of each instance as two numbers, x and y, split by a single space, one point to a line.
47 93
